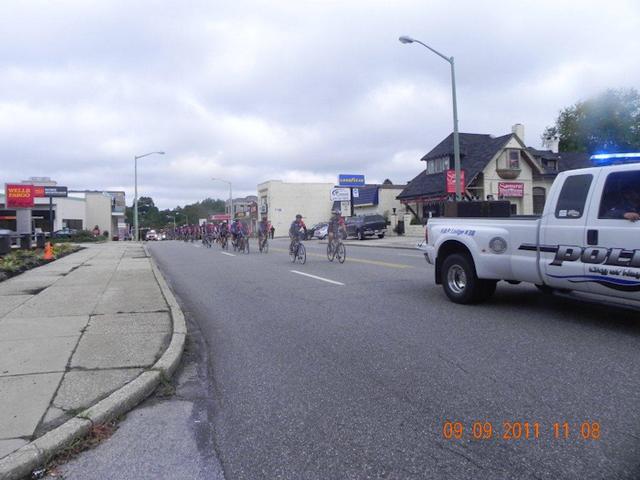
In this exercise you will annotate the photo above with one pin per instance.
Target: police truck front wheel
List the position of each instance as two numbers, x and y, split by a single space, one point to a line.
460 282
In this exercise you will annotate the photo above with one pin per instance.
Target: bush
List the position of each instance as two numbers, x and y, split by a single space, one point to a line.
83 236
19 261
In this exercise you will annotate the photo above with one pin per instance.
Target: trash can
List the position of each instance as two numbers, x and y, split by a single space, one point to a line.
25 241
40 240
5 244
400 227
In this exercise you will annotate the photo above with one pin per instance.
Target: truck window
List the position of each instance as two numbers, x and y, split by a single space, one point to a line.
621 194
573 196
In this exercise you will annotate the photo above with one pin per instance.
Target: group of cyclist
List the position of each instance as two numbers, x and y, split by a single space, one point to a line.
298 230
221 233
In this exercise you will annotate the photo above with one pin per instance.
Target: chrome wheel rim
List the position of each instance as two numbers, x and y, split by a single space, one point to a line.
456 279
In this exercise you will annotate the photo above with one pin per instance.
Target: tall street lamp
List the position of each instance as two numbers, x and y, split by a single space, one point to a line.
135 200
230 196
456 137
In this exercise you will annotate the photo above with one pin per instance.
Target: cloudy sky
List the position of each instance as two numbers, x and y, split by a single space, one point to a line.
298 90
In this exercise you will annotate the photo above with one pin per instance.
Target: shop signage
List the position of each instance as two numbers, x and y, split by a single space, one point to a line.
53 191
511 189
18 195
356 193
451 181
219 217
348 180
340 194
345 208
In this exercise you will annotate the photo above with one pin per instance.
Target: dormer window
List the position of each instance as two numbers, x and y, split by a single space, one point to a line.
437 165
513 159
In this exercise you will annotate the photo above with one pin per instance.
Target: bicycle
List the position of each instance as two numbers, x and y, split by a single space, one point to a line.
336 249
207 241
298 252
263 244
224 242
243 244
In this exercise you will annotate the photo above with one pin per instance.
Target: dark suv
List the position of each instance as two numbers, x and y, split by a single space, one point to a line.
366 226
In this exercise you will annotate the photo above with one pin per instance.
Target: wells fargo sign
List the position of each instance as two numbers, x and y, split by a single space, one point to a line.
19 196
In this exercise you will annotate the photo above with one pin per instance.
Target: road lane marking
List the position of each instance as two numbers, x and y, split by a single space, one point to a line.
229 254
351 259
317 278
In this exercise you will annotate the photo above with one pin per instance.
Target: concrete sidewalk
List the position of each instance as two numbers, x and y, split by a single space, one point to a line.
403 242
74 331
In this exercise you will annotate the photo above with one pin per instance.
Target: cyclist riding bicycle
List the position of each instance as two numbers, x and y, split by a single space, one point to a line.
263 229
297 231
223 233
336 225
233 229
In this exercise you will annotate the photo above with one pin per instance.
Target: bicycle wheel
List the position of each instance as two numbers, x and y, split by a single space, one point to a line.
330 252
265 247
341 252
302 254
293 253
246 245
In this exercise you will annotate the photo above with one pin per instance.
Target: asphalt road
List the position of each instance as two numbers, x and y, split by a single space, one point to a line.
355 379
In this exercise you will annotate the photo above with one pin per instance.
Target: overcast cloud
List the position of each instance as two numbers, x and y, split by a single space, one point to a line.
294 90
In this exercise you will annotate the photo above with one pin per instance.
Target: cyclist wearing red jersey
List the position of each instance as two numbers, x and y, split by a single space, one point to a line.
297 231
336 225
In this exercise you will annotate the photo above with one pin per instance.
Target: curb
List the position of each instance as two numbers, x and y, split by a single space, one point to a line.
395 247
38 452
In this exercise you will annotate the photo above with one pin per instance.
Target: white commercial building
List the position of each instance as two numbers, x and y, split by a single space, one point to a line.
280 202
81 210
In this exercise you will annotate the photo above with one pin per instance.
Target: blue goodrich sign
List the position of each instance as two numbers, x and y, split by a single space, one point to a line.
347 180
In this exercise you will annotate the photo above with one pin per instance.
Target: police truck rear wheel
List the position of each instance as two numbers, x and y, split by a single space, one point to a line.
461 283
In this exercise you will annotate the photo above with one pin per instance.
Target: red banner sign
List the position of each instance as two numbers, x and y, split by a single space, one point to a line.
219 217
511 189
38 192
18 195
451 181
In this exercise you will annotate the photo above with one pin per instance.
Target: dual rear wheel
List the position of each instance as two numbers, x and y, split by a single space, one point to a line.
460 282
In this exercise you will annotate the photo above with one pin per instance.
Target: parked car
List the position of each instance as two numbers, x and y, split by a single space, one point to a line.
319 231
4 231
366 226
583 242
65 232
151 235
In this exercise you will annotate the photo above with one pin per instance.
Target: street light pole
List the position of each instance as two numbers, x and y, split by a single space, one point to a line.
136 235
230 196
456 136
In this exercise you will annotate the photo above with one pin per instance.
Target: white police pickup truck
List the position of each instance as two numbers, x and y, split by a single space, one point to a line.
587 240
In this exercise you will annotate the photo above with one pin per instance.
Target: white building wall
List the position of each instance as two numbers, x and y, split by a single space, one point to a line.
285 200
65 208
69 209
491 179
98 207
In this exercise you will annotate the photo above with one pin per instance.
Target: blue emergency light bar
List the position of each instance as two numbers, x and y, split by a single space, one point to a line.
603 159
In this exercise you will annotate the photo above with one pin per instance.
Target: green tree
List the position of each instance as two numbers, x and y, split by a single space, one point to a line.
150 216
607 122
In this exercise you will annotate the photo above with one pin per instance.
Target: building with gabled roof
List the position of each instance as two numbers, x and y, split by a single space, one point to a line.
494 168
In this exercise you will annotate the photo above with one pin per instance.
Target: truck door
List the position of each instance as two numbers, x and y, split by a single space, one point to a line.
612 239
563 234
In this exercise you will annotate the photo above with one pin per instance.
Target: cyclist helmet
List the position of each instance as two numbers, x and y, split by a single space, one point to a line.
336 211
298 216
